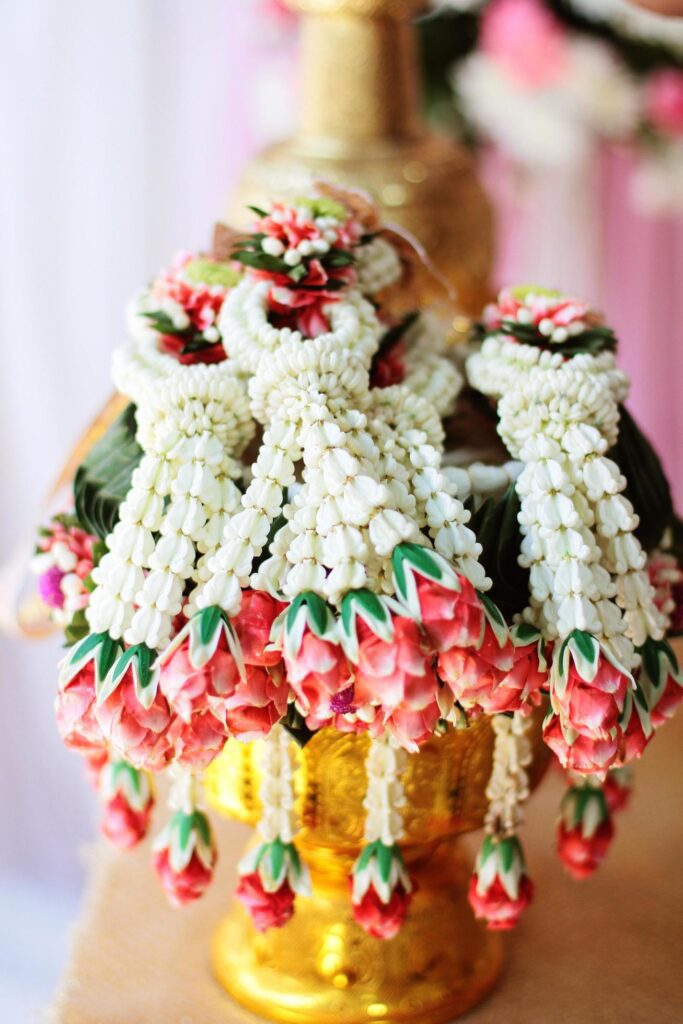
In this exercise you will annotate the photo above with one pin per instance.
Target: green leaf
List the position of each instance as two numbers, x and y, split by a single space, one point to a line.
423 560
318 613
162 323
258 211
262 261
103 479
277 857
496 526
109 652
88 645
209 622
586 645
295 724
384 860
647 487
366 855
78 628
399 573
507 853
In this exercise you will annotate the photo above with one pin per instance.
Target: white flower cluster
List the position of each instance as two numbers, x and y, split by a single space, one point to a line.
554 125
430 373
249 336
378 266
508 786
502 365
189 425
371 459
384 795
278 817
586 565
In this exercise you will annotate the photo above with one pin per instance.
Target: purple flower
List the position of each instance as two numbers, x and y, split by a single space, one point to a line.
50 587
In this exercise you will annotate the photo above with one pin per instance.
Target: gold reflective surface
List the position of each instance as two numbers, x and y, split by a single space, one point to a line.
361 127
322 966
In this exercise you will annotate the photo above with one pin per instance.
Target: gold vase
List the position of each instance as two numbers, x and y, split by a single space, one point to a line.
322 968
361 127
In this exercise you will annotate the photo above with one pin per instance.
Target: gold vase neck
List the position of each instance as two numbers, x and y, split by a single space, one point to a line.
365 8
360 83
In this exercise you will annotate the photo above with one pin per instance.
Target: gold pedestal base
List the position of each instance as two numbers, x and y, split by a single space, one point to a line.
322 968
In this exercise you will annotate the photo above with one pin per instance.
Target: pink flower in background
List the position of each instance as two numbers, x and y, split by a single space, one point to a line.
77 723
665 575
585 755
495 905
450 618
63 560
121 824
267 909
410 728
395 674
617 790
184 886
664 100
527 40
317 673
201 303
582 854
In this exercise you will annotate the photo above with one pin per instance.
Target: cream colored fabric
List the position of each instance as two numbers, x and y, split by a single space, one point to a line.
599 952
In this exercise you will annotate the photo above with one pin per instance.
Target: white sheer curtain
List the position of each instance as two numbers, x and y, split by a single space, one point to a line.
123 128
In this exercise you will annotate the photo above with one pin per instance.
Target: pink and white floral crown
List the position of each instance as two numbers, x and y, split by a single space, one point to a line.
280 544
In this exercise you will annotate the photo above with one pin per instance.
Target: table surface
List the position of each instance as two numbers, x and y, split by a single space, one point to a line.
595 952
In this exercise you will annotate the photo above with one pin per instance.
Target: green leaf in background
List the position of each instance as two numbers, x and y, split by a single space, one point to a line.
647 487
103 479
295 724
497 529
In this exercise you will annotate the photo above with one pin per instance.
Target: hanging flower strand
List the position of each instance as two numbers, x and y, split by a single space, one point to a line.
500 888
380 884
272 874
184 854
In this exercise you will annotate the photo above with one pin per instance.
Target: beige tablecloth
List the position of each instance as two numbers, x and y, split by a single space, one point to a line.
598 952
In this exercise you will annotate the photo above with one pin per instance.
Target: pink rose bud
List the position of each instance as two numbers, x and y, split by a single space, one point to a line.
584 831
184 857
500 889
474 675
75 711
382 920
317 673
395 674
267 909
253 624
270 877
135 716
127 802
381 890
450 618
617 789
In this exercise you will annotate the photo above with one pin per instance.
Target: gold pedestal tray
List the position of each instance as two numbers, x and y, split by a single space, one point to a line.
322 967
361 127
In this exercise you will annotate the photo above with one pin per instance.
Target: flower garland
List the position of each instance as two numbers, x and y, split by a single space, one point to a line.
276 540
500 888
381 887
272 874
